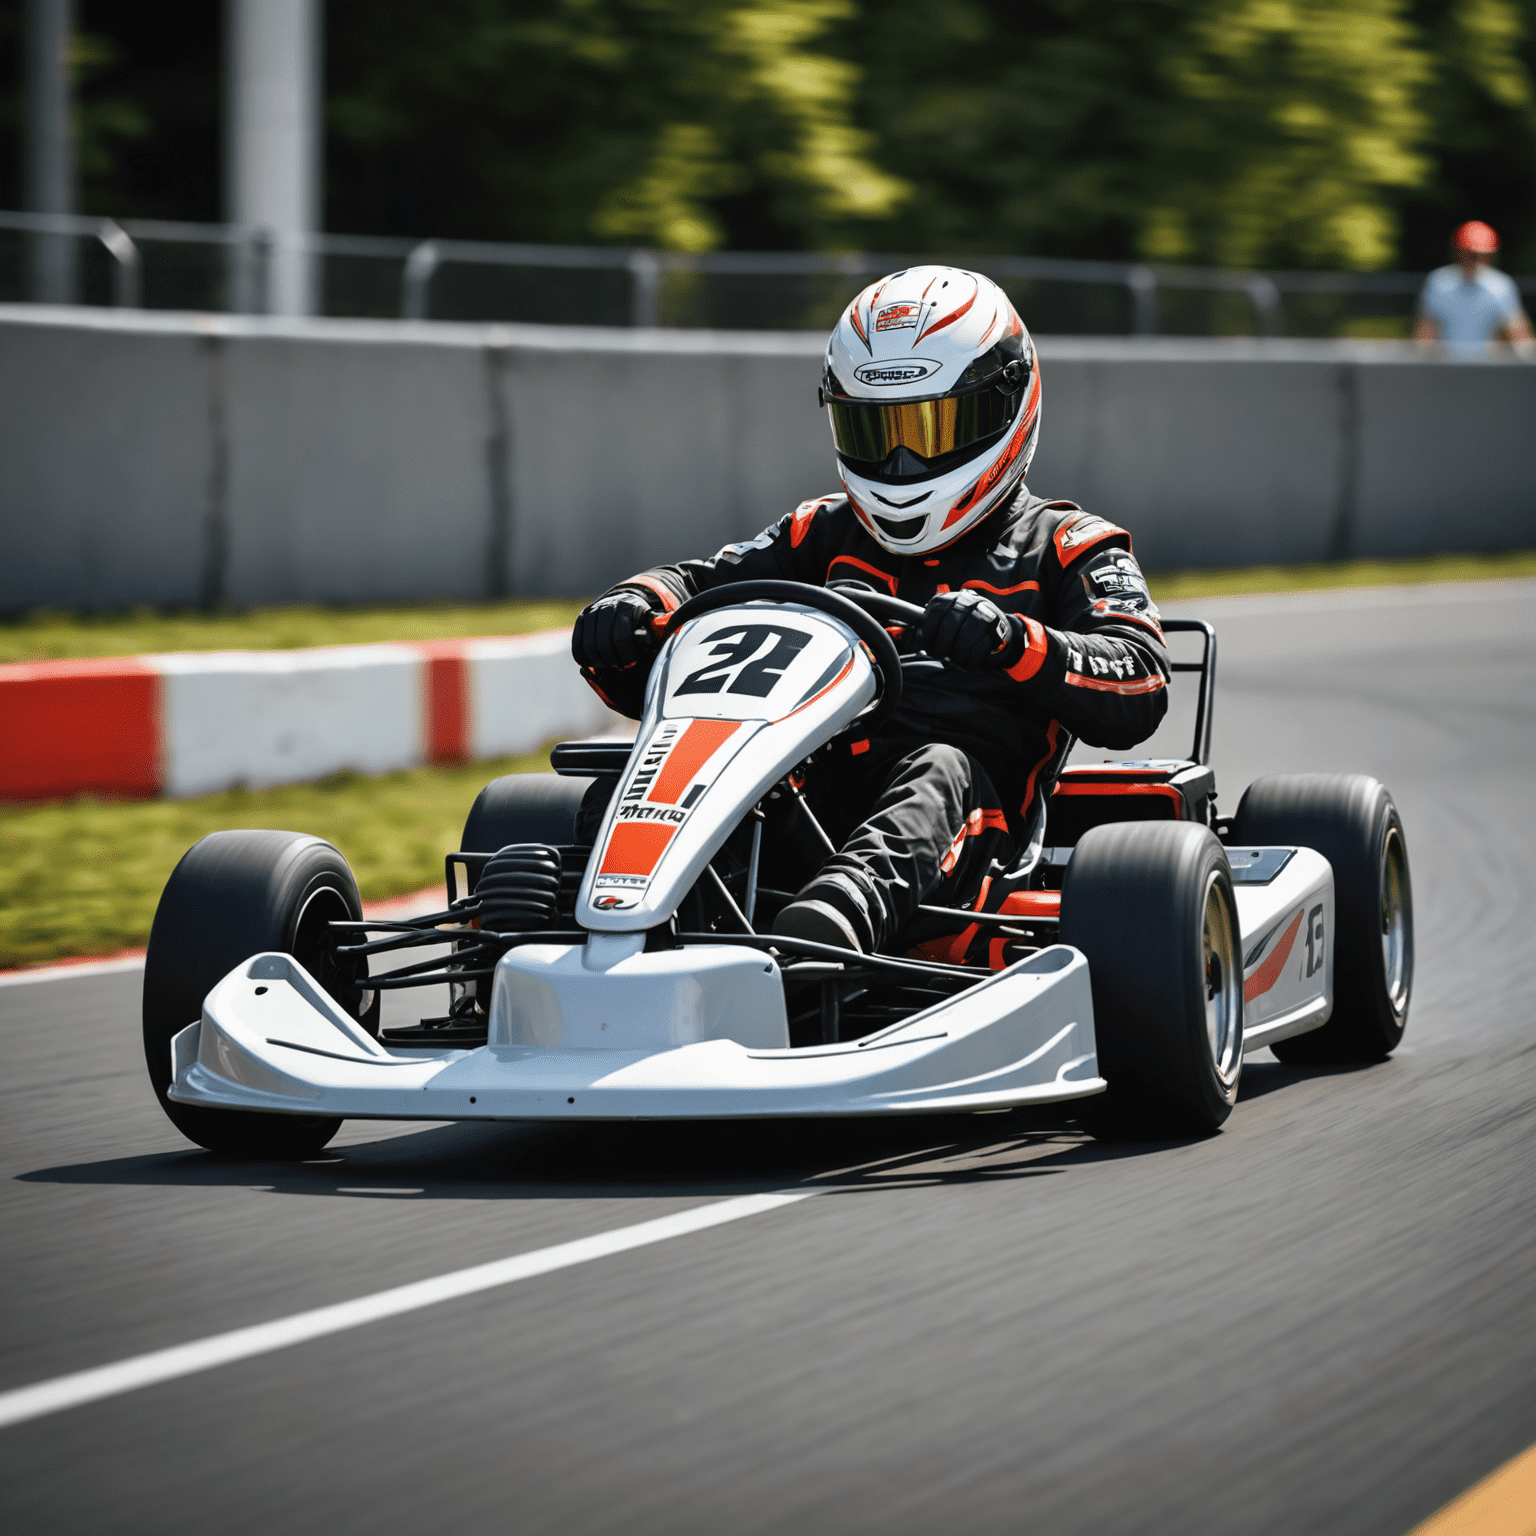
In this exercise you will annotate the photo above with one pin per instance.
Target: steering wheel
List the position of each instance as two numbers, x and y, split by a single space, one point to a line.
882 649
881 604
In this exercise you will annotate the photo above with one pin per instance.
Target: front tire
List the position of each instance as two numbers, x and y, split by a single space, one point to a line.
1151 906
234 895
1351 820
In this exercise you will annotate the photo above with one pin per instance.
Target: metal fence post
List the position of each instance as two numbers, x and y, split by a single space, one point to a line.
416 280
1142 281
126 272
1266 302
645 270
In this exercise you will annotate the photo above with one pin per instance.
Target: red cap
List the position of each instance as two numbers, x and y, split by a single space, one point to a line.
1477 237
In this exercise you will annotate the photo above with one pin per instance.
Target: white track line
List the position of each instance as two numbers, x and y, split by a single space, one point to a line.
72 1391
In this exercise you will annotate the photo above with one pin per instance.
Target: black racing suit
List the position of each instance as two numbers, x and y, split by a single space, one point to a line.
958 777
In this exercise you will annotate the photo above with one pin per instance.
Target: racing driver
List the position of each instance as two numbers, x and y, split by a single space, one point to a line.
1037 629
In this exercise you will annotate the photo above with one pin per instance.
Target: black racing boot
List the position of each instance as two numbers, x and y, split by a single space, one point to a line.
818 921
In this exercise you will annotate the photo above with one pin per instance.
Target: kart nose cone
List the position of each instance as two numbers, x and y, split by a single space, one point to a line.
608 994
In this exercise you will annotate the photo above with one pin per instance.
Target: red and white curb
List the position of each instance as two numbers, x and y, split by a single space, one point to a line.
190 724
394 909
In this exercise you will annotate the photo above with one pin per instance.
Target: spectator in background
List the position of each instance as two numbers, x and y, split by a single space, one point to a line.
1471 303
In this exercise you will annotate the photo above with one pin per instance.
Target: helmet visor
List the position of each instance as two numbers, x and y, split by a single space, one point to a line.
928 428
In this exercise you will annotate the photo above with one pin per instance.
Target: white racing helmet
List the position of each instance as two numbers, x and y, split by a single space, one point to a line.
934 396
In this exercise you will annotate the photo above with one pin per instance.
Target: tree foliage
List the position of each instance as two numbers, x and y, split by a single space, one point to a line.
684 124
1239 132
1271 132
1230 131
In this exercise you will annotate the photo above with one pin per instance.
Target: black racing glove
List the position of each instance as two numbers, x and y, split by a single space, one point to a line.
614 631
970 630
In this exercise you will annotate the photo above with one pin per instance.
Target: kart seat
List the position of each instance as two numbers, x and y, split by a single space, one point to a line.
1092 794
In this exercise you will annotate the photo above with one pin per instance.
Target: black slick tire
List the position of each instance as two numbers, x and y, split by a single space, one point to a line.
525 808
1151 906
234 895
1351 820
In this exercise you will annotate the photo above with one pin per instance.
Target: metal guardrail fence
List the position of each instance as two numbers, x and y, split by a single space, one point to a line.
159 265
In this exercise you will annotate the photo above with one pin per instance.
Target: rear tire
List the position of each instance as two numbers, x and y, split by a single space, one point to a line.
1351 820
1151 906
524 808
234 895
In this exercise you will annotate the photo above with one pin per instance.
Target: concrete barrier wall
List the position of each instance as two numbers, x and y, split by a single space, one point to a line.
177 460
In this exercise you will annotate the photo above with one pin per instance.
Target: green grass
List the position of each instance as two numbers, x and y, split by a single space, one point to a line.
81 877
47 636
1171 586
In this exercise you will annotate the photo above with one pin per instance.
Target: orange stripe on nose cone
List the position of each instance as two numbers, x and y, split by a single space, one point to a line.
698 744
635 848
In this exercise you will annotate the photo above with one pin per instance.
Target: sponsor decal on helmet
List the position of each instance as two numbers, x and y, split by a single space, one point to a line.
901 316
907 371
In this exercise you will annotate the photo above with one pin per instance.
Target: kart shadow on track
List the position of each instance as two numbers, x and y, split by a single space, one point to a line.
1262 1077
644 1160
469 1161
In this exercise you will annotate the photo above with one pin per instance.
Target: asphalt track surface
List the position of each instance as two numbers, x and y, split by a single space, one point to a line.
1320 1320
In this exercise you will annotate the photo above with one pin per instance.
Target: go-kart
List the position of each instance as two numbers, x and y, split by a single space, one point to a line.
604 950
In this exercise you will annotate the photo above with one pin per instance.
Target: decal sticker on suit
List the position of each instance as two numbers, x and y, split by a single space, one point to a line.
1116 576
1137 608
764 540
1115 673
1123 667
1083 533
